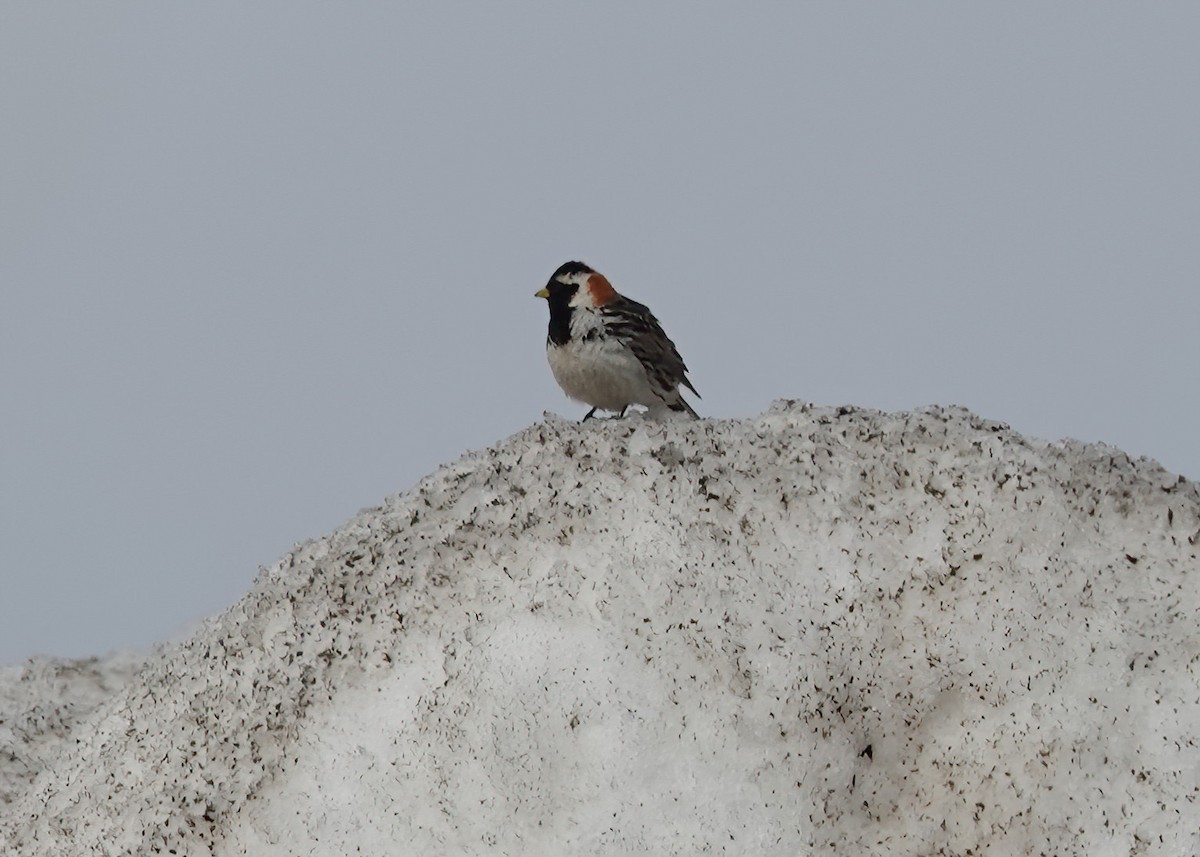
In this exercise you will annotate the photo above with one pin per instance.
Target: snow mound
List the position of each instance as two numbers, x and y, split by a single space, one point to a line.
41 703
816 631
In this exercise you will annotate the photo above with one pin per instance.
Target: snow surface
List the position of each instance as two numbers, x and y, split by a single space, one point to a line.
814 632
42 702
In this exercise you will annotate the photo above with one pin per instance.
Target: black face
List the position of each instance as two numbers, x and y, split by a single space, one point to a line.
560 309
560 300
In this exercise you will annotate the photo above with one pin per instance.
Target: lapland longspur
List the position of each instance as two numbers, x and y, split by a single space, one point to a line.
608 351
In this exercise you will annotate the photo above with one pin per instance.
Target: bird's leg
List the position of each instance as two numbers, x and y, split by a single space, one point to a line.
623 410
588 415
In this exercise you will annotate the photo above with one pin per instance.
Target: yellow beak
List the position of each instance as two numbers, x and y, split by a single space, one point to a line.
542 293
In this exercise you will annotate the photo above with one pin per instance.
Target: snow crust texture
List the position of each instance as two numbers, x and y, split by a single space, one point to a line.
42 702
813 632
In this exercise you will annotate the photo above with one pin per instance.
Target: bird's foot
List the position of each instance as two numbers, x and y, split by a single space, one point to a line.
592 415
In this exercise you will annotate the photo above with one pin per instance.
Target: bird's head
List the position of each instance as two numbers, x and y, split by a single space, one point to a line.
576 285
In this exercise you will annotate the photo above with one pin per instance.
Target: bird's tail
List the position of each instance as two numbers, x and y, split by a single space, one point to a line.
680 405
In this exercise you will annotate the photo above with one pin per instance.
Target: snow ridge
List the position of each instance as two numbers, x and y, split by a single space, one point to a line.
815 631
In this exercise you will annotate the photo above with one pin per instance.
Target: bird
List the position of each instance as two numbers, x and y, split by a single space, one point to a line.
608 351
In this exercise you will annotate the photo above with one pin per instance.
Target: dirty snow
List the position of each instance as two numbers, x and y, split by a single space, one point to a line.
43 701
818 631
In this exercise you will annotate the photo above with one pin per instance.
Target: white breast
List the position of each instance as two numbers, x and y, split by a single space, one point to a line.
600 372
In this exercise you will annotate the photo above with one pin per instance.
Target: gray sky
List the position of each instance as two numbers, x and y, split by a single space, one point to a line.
265 264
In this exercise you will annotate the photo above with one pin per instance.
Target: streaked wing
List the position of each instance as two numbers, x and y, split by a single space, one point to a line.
634 324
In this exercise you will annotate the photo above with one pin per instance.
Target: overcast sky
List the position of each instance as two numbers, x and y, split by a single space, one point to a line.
265 264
